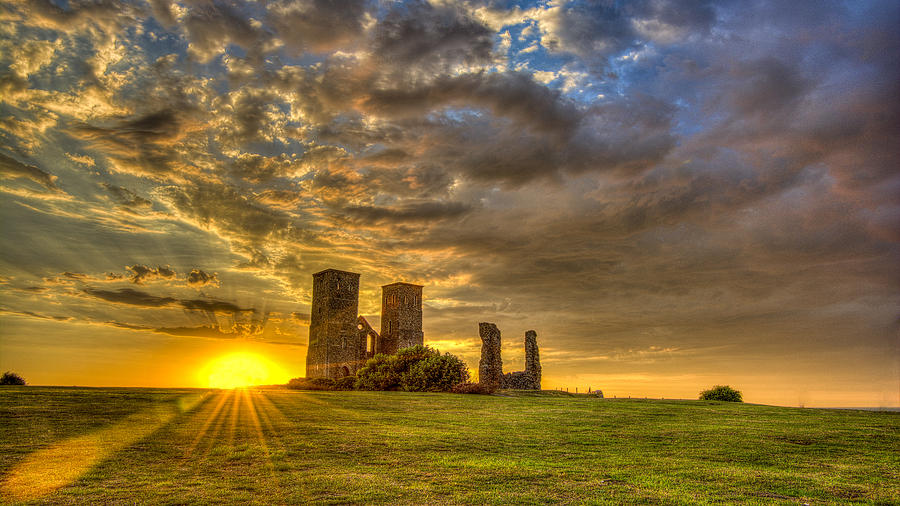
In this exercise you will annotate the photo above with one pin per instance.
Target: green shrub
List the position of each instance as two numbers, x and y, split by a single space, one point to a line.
436 373
474 388
378 374
721 393
11 378
414 369
311 384
345 383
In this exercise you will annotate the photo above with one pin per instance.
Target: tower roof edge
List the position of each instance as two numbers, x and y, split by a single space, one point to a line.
335 270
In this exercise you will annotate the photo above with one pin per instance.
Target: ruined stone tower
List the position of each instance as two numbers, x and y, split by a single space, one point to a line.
532 359
401 317
336 347
490 367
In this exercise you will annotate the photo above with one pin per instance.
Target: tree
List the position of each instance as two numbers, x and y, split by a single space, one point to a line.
11 378
721 393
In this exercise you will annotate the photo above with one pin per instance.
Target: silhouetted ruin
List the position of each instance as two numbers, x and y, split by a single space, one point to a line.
490 367
340 340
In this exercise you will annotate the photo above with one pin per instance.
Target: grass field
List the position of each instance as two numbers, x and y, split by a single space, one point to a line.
64 445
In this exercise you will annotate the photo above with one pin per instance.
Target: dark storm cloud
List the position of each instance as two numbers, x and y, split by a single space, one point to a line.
11 168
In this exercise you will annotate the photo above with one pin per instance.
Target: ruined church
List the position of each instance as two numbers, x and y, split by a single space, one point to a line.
341 340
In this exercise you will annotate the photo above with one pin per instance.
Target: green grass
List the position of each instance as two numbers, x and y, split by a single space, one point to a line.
64 445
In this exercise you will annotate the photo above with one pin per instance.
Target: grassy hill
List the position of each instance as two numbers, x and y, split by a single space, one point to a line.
281 446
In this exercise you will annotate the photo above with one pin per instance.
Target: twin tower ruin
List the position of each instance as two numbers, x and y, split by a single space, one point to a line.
341 340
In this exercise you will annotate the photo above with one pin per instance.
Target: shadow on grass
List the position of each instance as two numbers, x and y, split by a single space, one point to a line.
61 463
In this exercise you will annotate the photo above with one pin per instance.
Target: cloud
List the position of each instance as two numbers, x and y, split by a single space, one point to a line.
31 314
130 297
211 26
420 35
146 145
143 273
318 25
213 306
408 212
301 318
105 14
199 279
13 169
127 198
508 94
203 331
138 298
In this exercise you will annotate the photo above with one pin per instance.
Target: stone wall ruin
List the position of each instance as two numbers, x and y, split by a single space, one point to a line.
490 367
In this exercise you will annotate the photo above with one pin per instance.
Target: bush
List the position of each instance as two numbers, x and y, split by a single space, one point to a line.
721 393
11 378
311 384
414 369
345 383
474 388
437 373
378 374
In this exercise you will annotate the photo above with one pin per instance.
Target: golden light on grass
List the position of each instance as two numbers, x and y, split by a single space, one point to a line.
63 462
241 369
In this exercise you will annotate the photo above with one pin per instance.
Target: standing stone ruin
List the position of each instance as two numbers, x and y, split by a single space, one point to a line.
341 340
490 367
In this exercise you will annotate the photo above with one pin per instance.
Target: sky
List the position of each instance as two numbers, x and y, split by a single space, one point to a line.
672 194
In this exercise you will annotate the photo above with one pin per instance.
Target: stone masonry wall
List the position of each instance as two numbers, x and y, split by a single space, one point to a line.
401 317
335 347
532 359
490 367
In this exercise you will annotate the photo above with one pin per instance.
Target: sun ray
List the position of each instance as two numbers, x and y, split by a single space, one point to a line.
233 419
213 416
63 462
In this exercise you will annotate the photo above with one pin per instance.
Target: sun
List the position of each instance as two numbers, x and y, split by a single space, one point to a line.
240 370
